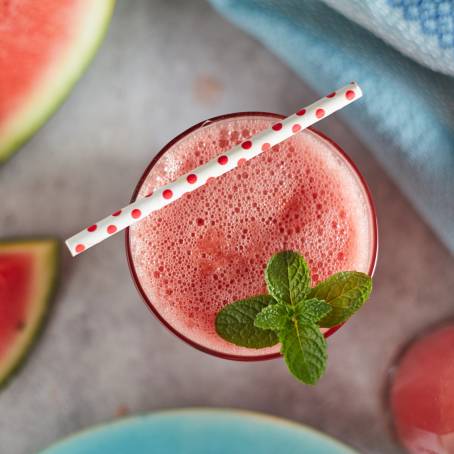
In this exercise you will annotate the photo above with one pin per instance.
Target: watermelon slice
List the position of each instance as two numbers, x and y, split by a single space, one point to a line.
44 47
28 271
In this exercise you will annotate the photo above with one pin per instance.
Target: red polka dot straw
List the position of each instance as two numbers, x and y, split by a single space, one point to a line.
248 149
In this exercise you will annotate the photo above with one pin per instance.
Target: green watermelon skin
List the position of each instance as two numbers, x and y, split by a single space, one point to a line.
62 39
29 271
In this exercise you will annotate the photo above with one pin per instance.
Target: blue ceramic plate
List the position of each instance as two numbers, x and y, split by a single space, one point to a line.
200 431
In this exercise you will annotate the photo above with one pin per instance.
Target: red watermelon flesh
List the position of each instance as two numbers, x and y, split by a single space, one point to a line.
44 47
28 272
16 272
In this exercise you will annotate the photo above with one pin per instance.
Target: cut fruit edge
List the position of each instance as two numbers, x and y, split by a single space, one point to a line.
52 90
45 252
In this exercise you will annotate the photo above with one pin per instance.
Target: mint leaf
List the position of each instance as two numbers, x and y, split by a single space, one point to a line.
304 350
287 277
312 310
345 292
272 317
293 313
235 323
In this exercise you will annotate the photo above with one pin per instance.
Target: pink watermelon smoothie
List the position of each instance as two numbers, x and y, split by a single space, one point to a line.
210 247
422 394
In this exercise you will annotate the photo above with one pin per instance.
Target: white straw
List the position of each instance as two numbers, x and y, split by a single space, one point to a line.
229 160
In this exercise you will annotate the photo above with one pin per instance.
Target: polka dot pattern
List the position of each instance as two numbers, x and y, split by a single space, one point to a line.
191 178
136 213
223 160
267 139
350 94
320 113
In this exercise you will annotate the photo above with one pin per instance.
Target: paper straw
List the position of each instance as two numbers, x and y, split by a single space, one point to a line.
229 160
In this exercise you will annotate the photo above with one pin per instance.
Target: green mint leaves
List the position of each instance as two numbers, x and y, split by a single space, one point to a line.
288 277
304 351
345 292
293 313
235 323
311 310
273 317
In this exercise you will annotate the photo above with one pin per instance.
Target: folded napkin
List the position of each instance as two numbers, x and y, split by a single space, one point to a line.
388 46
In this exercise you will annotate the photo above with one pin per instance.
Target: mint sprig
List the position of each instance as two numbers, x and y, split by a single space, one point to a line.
293 313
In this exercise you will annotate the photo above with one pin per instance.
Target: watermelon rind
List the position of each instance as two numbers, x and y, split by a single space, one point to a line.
46 252
51 98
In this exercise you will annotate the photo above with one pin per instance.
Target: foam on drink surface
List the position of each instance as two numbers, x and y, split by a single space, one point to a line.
210 247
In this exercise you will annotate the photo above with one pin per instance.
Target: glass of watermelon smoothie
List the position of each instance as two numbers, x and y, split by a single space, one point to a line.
210 247
421 393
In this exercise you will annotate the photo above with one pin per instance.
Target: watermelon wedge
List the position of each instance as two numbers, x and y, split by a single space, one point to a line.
28 272
45 45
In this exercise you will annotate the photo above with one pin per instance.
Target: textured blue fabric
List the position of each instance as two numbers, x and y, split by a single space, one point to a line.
420 29
435 18
407 114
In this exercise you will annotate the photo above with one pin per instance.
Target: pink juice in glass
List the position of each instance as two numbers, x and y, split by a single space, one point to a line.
210 247
422 394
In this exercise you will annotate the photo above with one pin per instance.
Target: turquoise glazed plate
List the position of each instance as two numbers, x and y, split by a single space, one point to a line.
200 431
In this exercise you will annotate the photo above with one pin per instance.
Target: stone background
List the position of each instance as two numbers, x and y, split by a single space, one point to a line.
163 67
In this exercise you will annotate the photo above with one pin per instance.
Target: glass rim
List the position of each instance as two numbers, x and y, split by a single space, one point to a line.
170 144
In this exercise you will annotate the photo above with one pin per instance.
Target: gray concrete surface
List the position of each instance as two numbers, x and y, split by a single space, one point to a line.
163 67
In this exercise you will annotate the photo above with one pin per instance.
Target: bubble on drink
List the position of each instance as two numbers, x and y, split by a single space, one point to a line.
210 247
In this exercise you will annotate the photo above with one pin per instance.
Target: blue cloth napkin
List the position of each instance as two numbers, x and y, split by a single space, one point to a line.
407 114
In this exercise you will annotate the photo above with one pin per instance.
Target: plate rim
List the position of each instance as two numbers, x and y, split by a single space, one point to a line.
249 414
